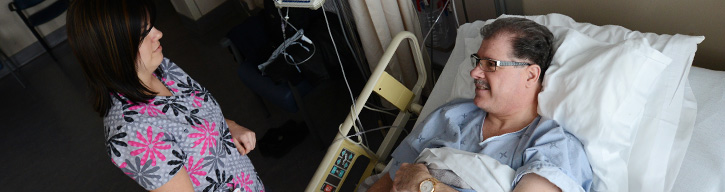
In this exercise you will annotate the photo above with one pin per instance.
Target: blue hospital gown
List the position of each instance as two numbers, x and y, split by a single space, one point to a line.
150 142
543 147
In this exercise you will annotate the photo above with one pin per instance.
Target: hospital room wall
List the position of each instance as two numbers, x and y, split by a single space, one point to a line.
702 17
18 42
195 9
15 36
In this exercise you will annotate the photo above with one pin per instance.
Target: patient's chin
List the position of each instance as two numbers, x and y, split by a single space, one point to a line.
480 101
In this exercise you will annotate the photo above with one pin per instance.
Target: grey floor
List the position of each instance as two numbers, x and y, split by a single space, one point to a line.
52 140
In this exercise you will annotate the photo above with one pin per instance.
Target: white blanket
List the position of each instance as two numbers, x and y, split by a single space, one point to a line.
480 172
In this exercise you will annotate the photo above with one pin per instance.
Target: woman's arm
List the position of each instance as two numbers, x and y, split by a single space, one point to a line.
180 182
244 139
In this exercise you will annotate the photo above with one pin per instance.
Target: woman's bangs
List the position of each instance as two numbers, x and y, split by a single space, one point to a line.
147 16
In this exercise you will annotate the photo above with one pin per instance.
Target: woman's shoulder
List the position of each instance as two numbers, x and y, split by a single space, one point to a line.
171 70
127 114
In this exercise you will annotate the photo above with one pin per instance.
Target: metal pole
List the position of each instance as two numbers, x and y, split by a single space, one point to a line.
500 7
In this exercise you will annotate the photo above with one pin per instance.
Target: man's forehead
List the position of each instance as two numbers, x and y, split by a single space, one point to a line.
496 46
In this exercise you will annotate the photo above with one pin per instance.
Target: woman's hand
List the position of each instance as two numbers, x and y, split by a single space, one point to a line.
244 139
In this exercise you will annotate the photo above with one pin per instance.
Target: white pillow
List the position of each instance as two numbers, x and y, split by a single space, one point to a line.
665 130
598 92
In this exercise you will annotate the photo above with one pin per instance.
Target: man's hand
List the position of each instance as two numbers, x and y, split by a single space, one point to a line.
409 176
244 139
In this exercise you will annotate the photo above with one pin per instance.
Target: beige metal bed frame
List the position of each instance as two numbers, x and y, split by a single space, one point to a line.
345 157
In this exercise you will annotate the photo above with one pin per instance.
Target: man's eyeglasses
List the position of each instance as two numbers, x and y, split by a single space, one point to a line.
490 65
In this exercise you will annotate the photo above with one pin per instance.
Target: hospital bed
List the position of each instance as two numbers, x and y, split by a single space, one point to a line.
668 135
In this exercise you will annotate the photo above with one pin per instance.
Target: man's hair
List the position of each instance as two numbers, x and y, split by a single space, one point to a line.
531 40
105 36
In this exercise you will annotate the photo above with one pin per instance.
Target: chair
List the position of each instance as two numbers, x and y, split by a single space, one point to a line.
247 43
10 65
38 18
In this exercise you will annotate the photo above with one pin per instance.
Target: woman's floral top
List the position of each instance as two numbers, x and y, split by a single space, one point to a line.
151 142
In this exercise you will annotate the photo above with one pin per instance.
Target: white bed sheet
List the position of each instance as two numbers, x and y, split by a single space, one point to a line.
703 167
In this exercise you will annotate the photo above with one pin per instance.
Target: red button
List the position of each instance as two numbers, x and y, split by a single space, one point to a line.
328 188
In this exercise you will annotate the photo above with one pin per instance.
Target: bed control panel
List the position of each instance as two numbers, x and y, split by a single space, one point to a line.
352 166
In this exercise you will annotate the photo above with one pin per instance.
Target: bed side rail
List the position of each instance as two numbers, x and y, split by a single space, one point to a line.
346 163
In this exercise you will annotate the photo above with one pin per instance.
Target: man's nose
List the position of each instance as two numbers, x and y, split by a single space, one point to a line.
477 73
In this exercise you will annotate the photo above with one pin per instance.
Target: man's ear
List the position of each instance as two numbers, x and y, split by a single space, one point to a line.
533 73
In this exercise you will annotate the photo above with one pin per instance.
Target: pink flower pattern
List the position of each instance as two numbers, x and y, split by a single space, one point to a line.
123 165
148 108
197 100
195 169
149 146
170 85
241 181
208 136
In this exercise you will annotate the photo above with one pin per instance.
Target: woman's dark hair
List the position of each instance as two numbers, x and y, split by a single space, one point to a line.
105 36
531 40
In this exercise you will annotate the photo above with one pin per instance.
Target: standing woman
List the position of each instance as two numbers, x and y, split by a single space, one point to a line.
163 129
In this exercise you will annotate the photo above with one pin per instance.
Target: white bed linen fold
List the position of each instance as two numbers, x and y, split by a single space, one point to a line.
704 163
481 172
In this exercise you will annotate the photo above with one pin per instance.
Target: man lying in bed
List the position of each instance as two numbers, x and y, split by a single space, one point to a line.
501 121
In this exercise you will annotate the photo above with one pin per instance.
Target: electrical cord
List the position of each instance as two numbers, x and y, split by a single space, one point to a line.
434 23
371 130
354 113
383 108
284 19
455 13
293 63
282 50
389 113
380 111
349 45
288 57
362 140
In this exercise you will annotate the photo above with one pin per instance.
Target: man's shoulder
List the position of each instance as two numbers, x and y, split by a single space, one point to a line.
547 123
550 126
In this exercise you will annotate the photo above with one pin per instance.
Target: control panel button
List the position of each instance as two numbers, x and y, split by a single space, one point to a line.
327 188
341 173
